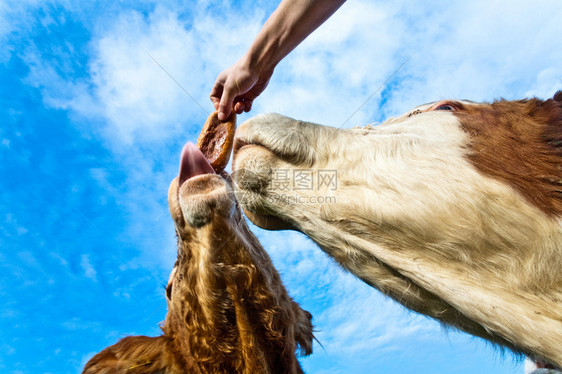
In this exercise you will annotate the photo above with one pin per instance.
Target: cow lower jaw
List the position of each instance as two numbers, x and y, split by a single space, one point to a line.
253 177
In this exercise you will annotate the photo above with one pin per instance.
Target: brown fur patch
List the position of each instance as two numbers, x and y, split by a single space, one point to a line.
140 355
519 143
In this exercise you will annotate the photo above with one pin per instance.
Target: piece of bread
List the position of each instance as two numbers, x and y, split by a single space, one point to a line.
216 140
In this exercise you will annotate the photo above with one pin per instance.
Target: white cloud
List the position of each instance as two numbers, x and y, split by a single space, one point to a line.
10 222
138 98
89 271
339 66
477 50
548 81
9 21
79 324
127 96
461 50
57 92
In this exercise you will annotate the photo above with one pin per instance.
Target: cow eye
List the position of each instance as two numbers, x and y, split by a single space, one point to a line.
448 107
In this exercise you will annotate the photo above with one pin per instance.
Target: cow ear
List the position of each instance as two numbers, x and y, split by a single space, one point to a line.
303 330
132 355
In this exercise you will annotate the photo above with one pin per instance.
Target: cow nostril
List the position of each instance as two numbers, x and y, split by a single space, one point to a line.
237 145
250 180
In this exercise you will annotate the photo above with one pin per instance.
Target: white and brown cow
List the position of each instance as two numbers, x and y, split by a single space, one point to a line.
453 209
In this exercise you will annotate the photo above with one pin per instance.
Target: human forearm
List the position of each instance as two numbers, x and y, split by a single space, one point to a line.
286 28
293 20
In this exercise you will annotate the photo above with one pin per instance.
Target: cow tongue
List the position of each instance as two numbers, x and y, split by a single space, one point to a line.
193 163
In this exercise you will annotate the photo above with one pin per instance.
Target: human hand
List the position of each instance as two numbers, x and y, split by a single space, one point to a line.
237 87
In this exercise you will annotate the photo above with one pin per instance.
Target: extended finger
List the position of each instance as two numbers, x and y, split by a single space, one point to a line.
225 105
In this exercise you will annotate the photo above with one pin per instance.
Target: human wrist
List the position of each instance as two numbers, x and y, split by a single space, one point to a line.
261 58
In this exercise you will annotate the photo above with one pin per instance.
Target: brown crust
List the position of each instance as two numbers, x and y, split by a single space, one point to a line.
216 140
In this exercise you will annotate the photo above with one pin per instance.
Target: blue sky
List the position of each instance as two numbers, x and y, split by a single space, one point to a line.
90 135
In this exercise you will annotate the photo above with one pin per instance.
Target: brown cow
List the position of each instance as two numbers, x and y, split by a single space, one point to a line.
228 311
